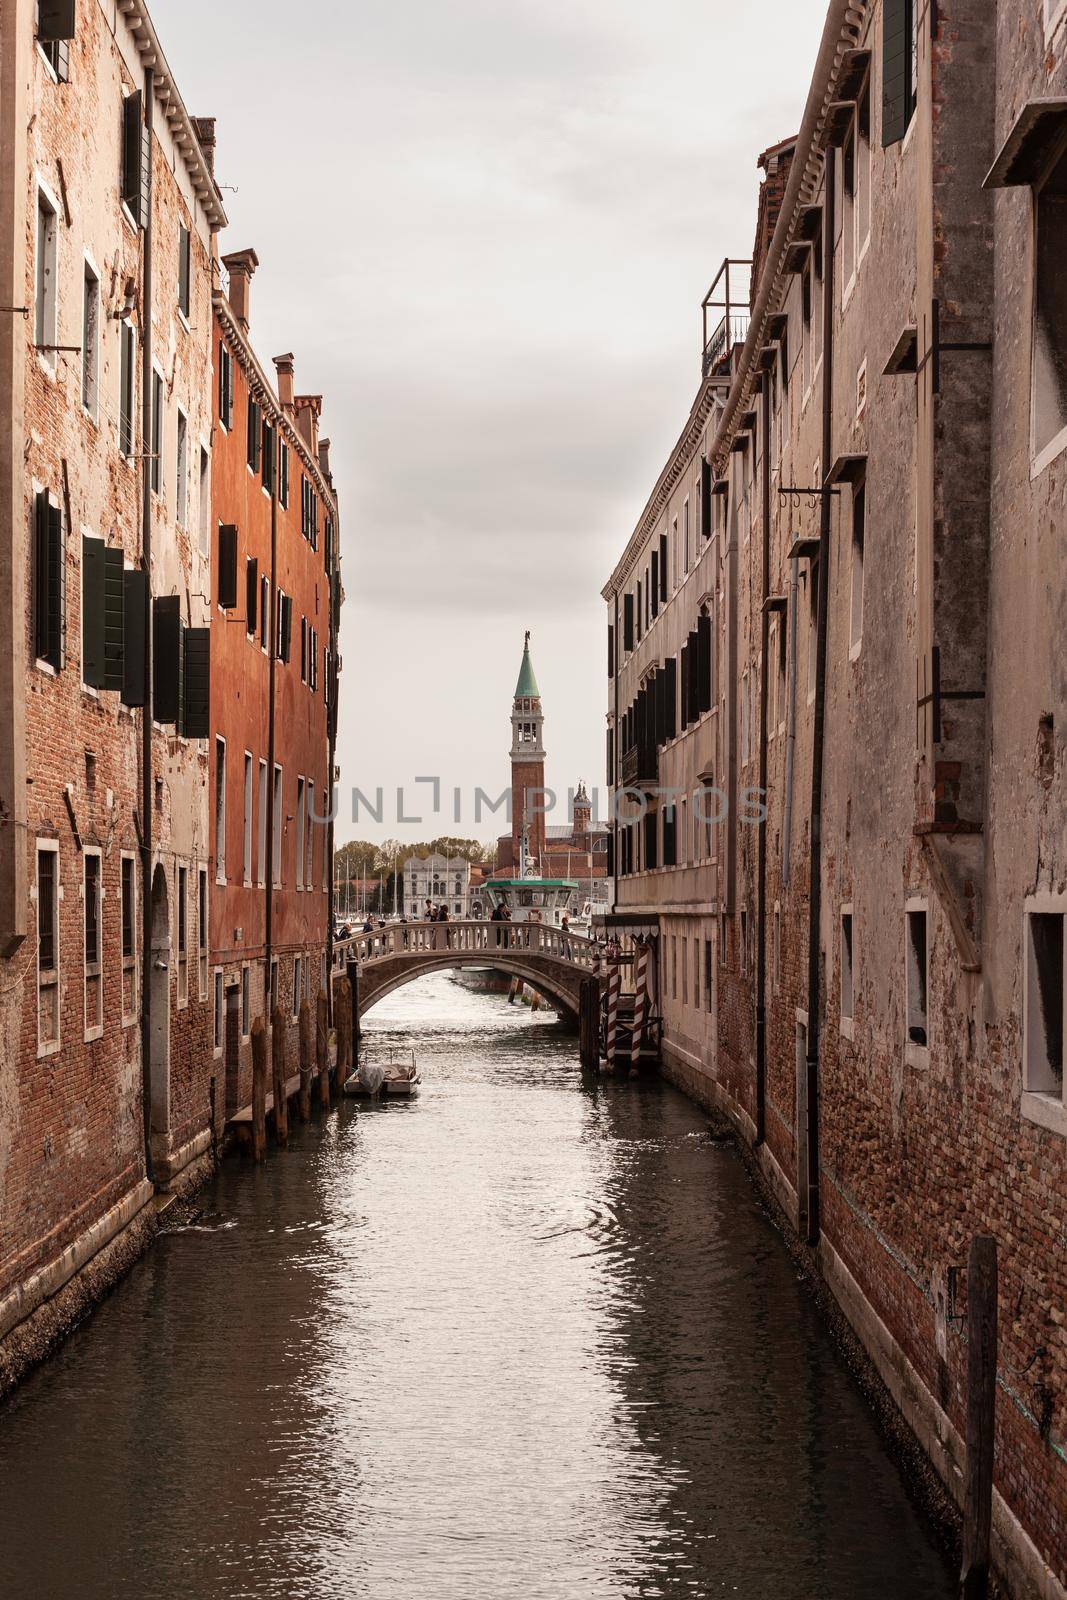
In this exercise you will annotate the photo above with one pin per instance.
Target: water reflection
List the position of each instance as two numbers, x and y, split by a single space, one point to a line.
524 1337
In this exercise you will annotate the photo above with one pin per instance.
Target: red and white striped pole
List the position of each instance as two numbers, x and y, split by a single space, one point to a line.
612 1027
640 1005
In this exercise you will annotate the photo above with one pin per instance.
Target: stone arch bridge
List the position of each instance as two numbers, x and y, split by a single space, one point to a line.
554 962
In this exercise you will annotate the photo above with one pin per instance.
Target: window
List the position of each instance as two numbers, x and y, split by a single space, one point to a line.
1049 406
201 927
219 1010
1043 1013
269 446
185 265
298 985
127 387
285 626
685 972
709 975
300 821
863 171
859 519
183 935
220 810
848 210
136 173
674 967
917 975
128 914
47 947
248 819
181 486
205 502
157 433
92 892
246 1020
49 581
262 865
283 474
225 386
303 649
90 340
255 434
45 301
251 596
846 972
900 48
813 627
278 820
746 733
55 30
227 573
309 872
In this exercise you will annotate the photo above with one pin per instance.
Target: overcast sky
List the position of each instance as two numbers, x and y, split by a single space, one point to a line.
485 228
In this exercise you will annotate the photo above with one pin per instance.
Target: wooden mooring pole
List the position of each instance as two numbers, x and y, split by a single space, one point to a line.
981 1416
320 1046
589 1022
259 1090
279 1030
307 1059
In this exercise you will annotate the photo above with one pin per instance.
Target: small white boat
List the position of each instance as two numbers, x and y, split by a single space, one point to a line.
398 1075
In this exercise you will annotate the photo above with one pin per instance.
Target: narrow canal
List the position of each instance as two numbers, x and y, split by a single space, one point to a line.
521 1340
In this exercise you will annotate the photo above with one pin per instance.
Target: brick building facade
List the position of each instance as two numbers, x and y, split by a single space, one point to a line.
107 217
871 983
276 605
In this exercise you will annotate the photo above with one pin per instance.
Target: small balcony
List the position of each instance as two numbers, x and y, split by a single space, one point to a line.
728 295
640 767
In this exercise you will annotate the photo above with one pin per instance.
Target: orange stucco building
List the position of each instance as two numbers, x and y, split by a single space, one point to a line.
275 607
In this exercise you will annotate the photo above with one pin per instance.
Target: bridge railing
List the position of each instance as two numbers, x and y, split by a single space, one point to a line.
469 938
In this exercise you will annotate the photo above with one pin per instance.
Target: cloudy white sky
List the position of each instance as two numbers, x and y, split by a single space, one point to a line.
485 228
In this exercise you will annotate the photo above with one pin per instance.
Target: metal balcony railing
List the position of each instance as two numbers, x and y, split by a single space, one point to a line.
640 766
730 295
729 332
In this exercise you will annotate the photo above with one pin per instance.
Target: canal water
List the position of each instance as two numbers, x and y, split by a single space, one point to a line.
523 1339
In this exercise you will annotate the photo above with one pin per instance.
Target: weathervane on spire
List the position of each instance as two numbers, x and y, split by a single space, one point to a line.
527 638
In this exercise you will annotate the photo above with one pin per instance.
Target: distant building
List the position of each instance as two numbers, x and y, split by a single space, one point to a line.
444 880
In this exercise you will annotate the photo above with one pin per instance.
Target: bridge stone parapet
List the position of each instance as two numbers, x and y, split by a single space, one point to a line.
553 961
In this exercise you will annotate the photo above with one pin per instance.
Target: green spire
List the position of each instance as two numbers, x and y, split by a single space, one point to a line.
526 688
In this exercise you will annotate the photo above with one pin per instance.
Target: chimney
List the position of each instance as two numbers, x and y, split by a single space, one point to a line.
204 128
241 266
308 411
283 365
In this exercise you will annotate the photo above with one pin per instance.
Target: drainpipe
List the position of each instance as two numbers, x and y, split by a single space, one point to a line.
819 730
761 845
272 655
616 662
147 798
331 737
791 721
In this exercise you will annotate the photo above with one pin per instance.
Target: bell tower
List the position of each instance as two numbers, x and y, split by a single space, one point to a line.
527 765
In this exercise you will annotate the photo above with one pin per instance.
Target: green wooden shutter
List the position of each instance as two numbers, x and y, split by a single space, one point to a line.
627 621
671 671
897 87
197 697
184 268
663 566
41 554
685 686
694 677
134 621
114 639
167 659
227 565
93 653
57 589
703 664
653 583
705 499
